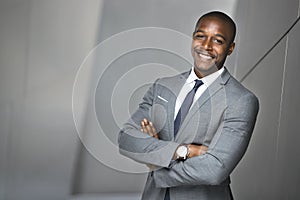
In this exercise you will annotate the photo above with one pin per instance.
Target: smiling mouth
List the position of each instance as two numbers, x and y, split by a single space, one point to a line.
204 54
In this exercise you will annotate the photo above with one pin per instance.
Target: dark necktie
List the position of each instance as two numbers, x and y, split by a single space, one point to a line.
184 109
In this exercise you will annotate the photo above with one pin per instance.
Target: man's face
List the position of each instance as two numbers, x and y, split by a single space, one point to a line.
211 45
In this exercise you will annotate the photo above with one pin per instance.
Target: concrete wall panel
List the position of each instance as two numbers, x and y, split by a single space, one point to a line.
260 25
255 176
289 137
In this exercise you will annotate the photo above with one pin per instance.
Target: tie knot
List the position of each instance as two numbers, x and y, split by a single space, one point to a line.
198 83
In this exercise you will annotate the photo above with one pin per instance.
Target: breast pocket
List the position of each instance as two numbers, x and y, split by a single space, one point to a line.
159 113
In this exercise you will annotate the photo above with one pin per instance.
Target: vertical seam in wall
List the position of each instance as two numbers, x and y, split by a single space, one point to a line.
281 98
298 9
77 174
239 38
27 53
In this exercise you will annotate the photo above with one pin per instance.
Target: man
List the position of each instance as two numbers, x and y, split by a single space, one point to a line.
192 129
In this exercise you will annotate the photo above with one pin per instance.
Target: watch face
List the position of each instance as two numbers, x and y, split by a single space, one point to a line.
182 151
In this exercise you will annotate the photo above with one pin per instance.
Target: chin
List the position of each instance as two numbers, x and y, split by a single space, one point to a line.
206 69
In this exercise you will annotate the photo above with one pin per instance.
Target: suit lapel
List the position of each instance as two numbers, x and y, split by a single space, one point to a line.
174 88
214 88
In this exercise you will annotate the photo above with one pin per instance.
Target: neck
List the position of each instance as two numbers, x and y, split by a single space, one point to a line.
201 74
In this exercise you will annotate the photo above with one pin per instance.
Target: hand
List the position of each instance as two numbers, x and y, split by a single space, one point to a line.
196 150
148 127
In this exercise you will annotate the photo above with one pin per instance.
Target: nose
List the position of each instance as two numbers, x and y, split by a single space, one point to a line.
207 44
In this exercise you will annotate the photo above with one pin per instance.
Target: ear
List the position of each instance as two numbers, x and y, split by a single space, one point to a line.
231 48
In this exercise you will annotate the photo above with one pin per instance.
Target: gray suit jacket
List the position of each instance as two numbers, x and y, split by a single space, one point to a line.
223 118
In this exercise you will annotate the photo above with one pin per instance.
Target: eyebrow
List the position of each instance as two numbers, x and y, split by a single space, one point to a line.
218 35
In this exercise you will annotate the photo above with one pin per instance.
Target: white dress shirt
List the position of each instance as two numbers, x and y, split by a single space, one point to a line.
189 84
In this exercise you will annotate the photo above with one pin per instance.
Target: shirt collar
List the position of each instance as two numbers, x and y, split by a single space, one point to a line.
207 80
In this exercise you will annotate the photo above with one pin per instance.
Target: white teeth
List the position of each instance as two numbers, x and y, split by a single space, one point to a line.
205 56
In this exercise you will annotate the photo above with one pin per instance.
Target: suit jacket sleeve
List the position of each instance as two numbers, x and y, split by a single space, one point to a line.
139 146
225 151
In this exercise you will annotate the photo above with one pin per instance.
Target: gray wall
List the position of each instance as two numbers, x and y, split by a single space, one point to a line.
43 44
270 169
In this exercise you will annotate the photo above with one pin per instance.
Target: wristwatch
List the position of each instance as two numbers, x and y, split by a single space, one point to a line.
182 152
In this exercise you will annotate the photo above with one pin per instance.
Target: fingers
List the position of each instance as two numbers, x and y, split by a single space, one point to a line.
143 126
144 123
152 128
148 127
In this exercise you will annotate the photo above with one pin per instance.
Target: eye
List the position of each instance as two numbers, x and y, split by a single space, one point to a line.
198 37
218 41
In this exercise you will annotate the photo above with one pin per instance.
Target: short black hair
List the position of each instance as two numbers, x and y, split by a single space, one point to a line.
222 16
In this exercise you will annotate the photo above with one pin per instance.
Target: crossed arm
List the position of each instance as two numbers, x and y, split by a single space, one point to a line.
225 150
204 167
136 141
210 166
194 149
